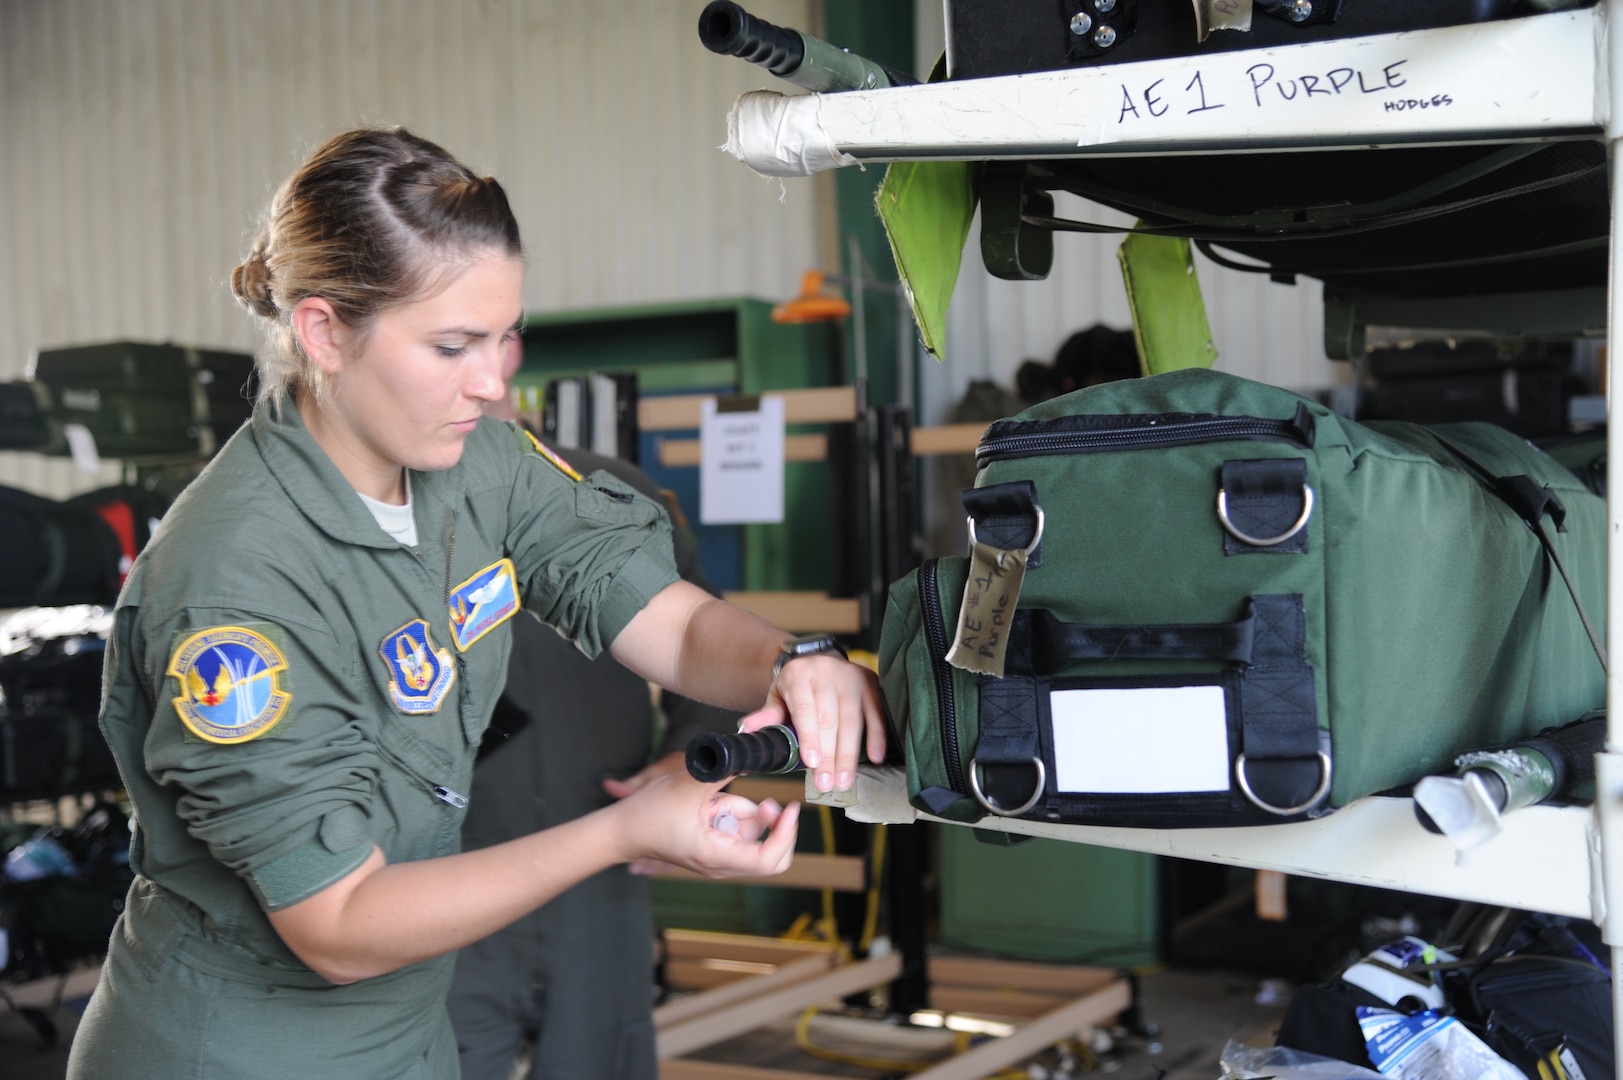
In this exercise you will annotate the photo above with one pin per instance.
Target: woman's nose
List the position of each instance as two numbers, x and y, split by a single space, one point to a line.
485 380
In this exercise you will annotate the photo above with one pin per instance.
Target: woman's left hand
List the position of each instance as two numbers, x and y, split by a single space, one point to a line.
836 709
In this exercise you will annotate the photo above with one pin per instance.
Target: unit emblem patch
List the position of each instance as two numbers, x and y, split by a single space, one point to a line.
419 674
483 602
228 678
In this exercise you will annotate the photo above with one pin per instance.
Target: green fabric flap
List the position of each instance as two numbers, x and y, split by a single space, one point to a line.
926 208
1163 292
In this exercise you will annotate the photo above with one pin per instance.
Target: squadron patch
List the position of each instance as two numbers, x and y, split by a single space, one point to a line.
228 684
483 602
419 674
559 463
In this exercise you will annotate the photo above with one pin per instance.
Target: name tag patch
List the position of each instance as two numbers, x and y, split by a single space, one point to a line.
419 674
229 690
483 602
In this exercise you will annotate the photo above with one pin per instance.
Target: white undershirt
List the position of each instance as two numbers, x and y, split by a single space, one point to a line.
397 521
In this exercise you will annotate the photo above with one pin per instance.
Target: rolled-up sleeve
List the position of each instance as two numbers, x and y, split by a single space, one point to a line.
590 553
287 807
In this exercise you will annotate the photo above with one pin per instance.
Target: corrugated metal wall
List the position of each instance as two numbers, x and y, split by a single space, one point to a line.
140 139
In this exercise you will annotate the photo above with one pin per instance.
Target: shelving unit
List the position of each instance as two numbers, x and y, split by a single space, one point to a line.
1541 78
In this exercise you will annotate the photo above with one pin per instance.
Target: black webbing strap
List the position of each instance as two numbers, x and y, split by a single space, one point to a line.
1278 702
1279 707
1008 721
1265 497
1040 644
1531 501
1005 516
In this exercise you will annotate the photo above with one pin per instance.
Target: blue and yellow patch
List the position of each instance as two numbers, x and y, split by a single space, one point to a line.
419 674
229 690
559 463
483 602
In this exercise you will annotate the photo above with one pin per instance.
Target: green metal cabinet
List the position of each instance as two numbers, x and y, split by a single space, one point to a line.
712 346
1049 900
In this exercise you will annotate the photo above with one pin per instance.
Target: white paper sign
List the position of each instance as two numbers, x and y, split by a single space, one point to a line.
741 464
1150 740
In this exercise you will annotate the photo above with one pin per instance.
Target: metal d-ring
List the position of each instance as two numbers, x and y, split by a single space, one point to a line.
1285 811
1256 541
1035 539
1037 792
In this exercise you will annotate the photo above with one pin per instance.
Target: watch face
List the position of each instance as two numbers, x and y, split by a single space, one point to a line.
806 646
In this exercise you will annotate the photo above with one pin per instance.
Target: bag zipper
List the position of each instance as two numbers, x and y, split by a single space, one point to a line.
935 639
1092 434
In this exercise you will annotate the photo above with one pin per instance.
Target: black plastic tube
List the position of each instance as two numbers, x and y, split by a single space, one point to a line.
809 62
726 28
714 757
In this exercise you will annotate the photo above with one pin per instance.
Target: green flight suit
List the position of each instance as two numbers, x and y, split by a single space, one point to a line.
286 687
576 975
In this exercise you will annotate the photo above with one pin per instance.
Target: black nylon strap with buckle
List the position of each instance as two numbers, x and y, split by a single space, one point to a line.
1264 498
1284 751
1005 516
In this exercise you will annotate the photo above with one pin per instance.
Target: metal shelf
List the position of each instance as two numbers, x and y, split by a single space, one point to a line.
1541 861
1547 77
1537 78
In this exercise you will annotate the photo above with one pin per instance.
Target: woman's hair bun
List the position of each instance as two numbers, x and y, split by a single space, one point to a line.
251 282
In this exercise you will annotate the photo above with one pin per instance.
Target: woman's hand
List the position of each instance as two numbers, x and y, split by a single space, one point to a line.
674 819
672 763
709 650
835 707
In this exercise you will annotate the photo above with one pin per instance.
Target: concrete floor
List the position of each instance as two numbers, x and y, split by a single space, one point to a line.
1192 1014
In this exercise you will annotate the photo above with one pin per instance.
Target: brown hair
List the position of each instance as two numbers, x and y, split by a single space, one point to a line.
369 222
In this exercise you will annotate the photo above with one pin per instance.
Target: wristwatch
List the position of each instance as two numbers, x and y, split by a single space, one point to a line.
807 645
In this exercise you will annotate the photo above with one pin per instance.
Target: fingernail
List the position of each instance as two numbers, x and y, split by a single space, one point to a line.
824 781
809 756
845 780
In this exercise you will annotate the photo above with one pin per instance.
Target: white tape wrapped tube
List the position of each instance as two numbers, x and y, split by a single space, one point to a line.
782 134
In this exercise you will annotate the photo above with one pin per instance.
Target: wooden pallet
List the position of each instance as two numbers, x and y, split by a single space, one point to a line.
751 982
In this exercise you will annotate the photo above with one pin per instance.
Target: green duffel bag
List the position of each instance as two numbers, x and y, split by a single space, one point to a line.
1195 600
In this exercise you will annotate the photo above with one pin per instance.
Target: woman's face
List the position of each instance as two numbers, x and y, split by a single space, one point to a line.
413 389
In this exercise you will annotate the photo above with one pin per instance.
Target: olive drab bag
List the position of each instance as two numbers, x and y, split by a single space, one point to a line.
1197 600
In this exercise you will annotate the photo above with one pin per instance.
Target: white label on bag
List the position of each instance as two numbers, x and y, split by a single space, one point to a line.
1142 740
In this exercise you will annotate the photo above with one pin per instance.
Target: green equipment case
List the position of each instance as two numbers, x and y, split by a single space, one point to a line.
1223 604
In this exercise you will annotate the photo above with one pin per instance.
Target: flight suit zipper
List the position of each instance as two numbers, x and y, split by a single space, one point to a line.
450 553
449 797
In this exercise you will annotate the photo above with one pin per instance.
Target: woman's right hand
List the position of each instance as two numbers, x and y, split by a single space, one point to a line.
678 820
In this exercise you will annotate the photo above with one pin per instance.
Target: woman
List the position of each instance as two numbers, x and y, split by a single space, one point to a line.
304 660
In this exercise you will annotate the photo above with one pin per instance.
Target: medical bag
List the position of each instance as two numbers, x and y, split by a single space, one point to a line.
1237 607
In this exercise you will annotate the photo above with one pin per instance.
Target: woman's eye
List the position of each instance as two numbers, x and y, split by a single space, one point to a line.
450 351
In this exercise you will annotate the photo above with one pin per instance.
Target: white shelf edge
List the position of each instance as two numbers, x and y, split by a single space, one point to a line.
1543 860
1541 77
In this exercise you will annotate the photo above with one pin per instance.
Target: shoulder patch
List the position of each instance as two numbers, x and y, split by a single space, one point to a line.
559 463
483 602
229 685
419 674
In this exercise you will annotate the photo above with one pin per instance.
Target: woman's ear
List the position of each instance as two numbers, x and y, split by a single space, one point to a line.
319 331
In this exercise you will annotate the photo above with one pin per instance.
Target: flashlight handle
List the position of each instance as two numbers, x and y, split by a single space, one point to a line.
713 757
